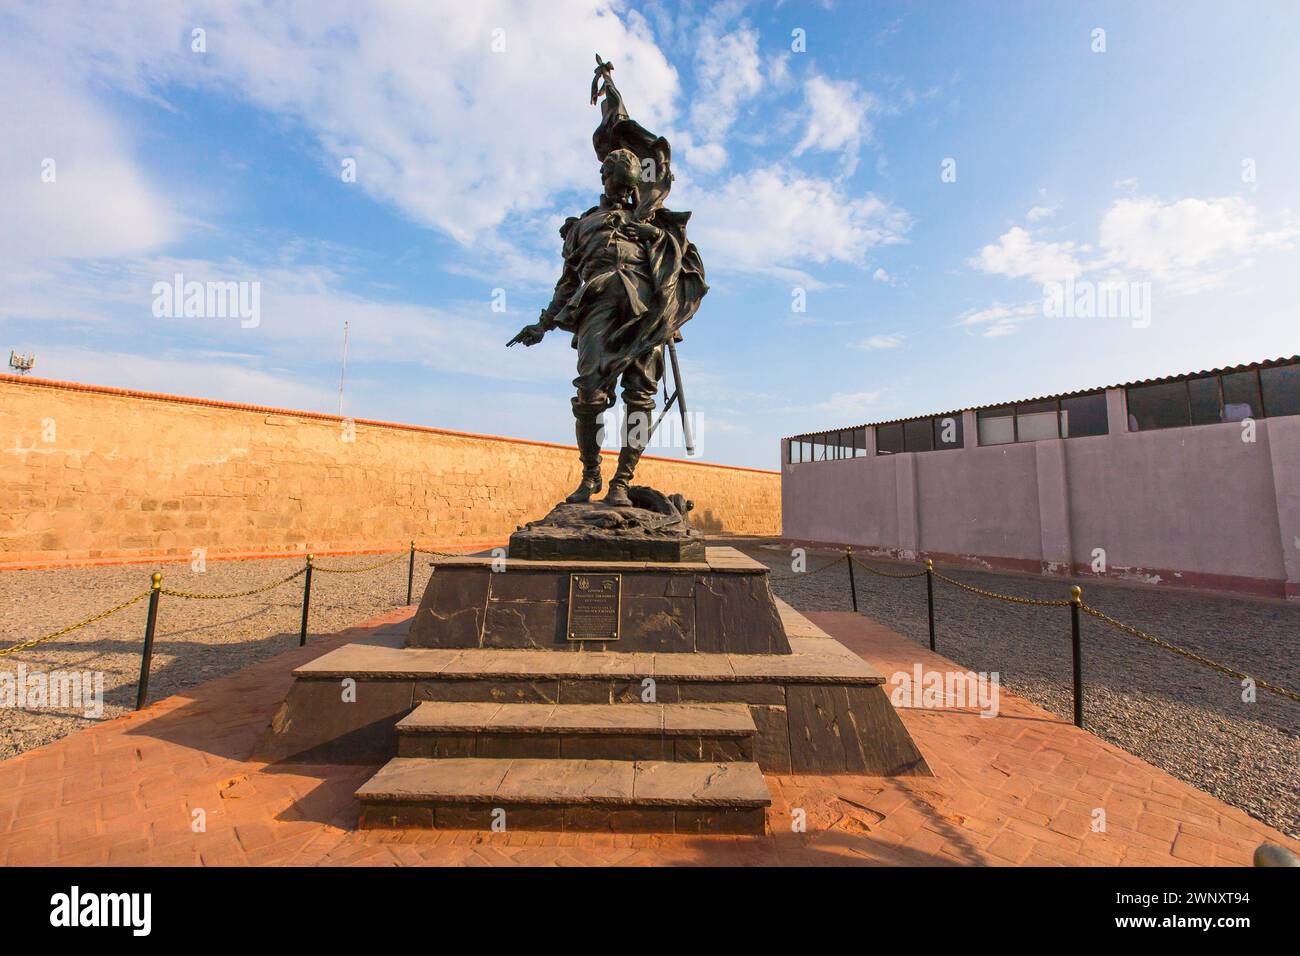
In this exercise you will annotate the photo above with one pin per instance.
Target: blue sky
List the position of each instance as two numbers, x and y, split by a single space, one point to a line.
1160 157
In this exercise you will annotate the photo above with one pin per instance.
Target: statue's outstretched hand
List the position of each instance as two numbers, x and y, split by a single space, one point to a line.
529 335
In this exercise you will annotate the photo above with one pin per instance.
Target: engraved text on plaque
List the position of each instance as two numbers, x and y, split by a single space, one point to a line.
594 601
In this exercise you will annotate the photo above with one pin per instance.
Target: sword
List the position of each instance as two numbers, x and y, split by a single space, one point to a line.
678 396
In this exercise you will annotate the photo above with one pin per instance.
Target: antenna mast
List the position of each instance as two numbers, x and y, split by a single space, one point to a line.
343 374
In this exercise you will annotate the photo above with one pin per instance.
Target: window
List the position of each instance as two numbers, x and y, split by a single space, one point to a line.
889 439
1084 415
1037 420
1206 403
1281 387
1241 396
997 426
1158 406
859 443
918 435
1210 399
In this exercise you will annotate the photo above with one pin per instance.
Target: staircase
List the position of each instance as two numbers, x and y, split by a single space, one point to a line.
629 767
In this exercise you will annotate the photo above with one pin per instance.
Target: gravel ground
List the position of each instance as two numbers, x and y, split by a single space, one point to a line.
195 641
1174 713
1180 716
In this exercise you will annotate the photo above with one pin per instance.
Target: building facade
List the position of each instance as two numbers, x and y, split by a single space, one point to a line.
1191 480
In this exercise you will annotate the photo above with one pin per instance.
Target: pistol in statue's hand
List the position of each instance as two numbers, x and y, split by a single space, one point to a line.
529 335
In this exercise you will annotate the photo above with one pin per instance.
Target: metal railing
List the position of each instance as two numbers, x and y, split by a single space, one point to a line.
156 591
1074 602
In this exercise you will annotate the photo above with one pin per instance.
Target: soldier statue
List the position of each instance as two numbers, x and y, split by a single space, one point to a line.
631 280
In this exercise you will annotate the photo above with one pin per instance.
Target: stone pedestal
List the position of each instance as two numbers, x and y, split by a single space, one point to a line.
721 605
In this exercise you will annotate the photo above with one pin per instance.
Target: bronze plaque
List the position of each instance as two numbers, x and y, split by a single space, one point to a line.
594 604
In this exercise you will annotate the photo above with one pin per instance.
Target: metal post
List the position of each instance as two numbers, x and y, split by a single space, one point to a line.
306 603
929 595
853 587
1076 601
146 653
410 573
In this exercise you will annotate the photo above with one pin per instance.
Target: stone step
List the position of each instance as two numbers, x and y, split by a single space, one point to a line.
473 793
633 731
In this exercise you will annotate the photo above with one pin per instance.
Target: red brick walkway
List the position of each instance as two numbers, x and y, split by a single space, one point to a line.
1018 788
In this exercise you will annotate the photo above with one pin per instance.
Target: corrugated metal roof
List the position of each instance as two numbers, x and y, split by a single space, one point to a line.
1266 363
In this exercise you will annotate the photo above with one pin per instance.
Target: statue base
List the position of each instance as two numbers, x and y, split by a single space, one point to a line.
656 528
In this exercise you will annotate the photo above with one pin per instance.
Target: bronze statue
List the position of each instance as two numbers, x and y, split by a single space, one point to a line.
631 280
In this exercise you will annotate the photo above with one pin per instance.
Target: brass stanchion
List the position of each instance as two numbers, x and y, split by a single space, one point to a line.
929 595
146 653
410 572
306 603
1076 601
853 587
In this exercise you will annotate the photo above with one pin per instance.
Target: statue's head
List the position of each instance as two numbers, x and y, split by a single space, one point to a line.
620 172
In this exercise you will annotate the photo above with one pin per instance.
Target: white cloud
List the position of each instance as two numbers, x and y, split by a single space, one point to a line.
891 341
881 275
775 220
1189 244
453 134
1038 213
99 204
998 319
837 118
729 73
1018 255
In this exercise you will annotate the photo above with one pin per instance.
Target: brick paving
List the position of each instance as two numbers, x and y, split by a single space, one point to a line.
1020 788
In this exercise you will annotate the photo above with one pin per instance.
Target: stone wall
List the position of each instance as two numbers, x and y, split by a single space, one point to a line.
92 472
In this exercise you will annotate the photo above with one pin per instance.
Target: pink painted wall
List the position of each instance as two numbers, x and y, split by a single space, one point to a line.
1193 507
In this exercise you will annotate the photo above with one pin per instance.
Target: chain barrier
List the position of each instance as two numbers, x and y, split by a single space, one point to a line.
1205 661
369 567
195 596
1009 598
887 574
74 627
806 574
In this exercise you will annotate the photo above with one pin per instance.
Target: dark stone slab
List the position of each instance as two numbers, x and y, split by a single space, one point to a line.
772 743
616 747
735 614
585 692
618 820
452 611
658 624
719 820
525 746
501 691
396 816
511 624
436 745
724 692
848 729
713 749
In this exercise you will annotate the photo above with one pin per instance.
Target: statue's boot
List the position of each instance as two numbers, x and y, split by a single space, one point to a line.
587 426
636 434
